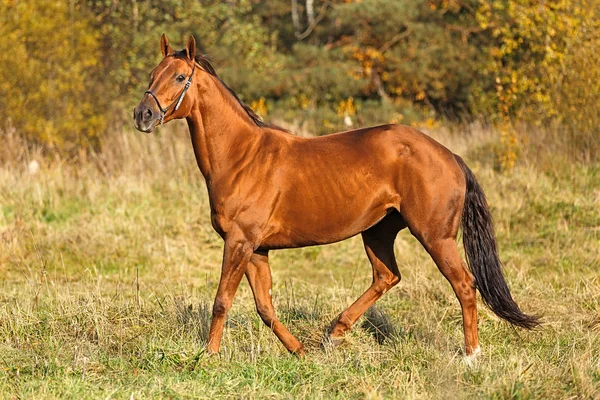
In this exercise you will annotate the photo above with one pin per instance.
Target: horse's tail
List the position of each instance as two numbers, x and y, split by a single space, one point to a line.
479 241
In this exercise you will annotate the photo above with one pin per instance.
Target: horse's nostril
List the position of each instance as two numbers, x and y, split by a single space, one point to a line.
148 114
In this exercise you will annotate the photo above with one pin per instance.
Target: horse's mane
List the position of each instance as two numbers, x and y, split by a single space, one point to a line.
207 66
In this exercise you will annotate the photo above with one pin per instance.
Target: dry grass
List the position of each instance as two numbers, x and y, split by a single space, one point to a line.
109 268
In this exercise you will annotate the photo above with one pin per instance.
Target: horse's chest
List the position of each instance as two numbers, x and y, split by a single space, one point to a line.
246 214
223 215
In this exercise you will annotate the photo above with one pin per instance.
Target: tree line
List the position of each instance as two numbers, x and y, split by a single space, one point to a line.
70 69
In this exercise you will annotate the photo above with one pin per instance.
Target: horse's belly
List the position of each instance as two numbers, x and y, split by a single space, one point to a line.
309 224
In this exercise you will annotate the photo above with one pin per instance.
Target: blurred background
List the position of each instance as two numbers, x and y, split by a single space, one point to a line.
109 263
72 70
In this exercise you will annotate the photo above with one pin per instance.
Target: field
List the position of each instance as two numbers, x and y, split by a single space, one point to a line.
108 270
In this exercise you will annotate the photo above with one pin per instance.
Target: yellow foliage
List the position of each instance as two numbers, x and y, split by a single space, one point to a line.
507 154
303 101
429 123
367 57
546 67
47 64
260 106
397 118
533 42
346 107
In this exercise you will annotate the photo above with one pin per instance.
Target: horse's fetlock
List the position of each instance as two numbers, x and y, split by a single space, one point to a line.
344 322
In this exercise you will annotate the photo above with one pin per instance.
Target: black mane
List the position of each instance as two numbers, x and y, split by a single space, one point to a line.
207 66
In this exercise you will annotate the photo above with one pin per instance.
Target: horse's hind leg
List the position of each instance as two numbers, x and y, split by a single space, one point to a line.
259 277
379 244
447 258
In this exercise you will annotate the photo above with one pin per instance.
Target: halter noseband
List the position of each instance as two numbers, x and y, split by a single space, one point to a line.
163 111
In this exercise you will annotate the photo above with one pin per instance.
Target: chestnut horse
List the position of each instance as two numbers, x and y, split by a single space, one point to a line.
269 189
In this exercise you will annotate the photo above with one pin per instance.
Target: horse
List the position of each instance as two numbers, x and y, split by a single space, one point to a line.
269 189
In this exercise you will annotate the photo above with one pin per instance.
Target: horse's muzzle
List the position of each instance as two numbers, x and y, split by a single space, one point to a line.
145 117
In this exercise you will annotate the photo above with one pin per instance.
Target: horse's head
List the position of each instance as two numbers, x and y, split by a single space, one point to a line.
171 93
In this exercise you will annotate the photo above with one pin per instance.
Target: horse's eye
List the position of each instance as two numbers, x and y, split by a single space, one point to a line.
180 78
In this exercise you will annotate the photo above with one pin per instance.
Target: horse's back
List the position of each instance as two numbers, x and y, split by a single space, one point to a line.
390 152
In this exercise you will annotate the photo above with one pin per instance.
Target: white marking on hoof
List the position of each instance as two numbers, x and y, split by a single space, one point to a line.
471 359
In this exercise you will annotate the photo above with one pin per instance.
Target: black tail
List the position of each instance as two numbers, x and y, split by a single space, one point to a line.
479 241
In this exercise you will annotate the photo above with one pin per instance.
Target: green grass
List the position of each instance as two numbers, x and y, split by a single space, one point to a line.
109 269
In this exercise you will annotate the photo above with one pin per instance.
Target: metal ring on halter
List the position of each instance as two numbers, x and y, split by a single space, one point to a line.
163 111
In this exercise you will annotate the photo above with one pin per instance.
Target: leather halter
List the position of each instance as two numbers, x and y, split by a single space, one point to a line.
163 111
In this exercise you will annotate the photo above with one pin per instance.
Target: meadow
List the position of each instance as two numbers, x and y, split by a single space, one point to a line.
108 268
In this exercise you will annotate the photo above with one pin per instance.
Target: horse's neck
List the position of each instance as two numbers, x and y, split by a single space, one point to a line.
222 134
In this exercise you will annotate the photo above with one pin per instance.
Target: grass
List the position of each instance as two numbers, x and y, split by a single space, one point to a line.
109 268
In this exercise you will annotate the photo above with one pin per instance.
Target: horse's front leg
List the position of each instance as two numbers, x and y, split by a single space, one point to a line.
236 254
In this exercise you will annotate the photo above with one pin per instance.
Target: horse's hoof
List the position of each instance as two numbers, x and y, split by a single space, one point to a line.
471 359
299 352
330 342
211 353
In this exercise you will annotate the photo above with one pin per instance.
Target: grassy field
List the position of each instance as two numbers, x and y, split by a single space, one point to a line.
108 270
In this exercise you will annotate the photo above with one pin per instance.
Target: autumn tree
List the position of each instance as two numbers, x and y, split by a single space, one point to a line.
48 71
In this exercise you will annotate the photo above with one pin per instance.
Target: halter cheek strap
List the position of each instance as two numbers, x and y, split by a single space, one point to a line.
163 111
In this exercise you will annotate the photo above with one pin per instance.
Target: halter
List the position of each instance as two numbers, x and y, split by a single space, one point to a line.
163 112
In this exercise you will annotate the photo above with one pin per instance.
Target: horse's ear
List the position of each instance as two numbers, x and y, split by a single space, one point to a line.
190 49
165 47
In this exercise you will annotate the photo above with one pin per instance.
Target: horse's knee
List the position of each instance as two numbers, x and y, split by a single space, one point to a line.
221 307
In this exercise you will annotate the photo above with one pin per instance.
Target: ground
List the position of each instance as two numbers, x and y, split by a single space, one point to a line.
109 268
